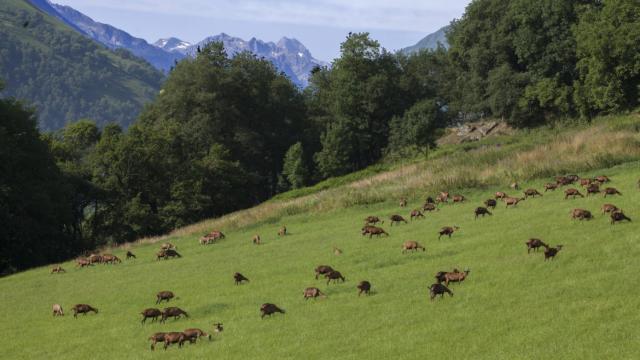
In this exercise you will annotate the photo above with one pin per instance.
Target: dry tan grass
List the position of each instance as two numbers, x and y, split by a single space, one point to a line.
573 151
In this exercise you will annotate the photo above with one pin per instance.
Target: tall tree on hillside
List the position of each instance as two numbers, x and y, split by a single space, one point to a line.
358 95
516 59
35 205
608 40
213 142
294 169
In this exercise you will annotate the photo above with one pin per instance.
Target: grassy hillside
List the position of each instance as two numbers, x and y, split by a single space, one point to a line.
67 76
513 305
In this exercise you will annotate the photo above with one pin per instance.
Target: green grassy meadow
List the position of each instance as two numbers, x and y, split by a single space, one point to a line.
583 305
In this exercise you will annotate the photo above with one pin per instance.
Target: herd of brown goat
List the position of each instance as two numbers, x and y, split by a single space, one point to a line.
443 278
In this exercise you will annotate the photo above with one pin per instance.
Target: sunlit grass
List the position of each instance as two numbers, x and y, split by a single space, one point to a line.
584 304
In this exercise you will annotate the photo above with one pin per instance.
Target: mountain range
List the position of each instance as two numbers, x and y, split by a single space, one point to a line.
288 55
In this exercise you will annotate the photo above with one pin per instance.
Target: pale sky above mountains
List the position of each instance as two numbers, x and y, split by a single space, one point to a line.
321 25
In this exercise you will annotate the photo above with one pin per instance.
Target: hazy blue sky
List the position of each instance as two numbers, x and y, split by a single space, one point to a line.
319 24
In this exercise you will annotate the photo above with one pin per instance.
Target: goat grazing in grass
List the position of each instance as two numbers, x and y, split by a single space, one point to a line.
482 211
416 214
83 309
269 309
550 253
239 278
534 244
447 230
532 193
572 192
439 289
411 245
618 215
581 214
397 219
313 292
363 287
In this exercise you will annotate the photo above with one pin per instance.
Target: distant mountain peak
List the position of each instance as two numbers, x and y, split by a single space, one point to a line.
173 44
430 41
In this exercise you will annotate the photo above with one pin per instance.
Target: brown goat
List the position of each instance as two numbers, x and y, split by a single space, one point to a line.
458 198
173 338
500 195
130 255
455 276
282 231
572 192
482 211
581 214
81 262
618 215
174 312
397 219
416 214
323 270
57 310
371 220
364 287
269 309
95 258
562 180
313 292
550 186
156 338
447 230
439 289
411 245
164 296
373 230
58 270
334 275
531 192
216 235
430 207
585 182
611 191
512 201
442 197
490 203
550 253
110 259
152 313
193 334
166 254
601 179
83 309
593 189
206 240
239 278
256 240
534 244
608 208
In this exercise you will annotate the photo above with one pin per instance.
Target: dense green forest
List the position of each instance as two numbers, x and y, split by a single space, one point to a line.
67 76
225 134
